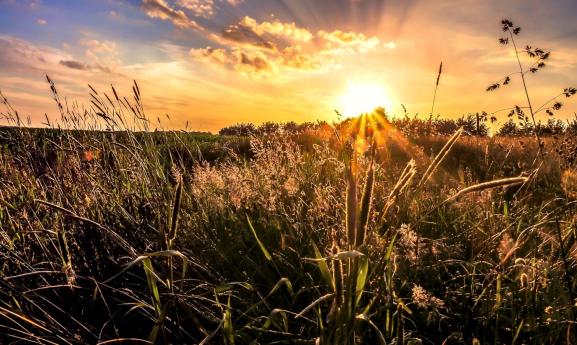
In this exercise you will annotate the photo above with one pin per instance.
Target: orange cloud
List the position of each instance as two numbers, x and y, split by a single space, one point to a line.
216 56
340 42
266 35
245 35
294 57
253 63
277 28
200 8
161 10
271 45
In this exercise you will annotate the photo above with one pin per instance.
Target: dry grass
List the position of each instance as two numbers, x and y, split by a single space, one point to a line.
309 239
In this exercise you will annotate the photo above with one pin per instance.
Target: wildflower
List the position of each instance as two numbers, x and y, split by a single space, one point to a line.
407 242
424 300
88 155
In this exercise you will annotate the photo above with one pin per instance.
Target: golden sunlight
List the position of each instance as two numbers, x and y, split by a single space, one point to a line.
360 98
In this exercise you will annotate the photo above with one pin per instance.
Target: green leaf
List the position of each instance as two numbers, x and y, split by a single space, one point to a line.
380 335
158 325
519 328
163 253
227 325
151 280
260 244
391 247
324 268
362 274
282 282
315 302
227 286
272 320
402 304
498 296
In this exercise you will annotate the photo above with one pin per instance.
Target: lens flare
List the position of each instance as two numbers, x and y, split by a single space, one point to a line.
360 98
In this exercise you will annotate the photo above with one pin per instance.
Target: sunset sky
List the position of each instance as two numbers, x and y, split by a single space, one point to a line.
217 62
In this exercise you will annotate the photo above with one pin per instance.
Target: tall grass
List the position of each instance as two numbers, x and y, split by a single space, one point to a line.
122 235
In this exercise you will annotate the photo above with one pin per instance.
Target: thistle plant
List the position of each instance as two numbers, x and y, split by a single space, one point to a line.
538 58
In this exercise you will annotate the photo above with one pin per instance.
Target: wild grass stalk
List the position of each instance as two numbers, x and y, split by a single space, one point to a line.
489 185
439 157
435 93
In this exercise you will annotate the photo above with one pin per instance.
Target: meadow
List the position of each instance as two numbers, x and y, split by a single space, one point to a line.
367 231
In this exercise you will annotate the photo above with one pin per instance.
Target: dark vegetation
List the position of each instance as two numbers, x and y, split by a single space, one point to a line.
413 126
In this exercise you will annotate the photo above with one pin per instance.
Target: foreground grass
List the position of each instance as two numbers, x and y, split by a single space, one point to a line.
332 238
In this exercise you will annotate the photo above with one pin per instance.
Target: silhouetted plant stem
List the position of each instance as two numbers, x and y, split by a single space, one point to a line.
435 93
539 143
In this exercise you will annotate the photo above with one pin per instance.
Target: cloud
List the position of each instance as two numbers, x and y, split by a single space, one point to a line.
24 65
103 53
340 42
256 62
277 28
33 4
216 56
161 10
200 8
251 46
41 21
294 57
238 33
204 8
266 35
253 63
81 66
18 53
74 64
97 46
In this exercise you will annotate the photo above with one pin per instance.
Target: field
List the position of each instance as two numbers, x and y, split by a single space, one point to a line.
344 234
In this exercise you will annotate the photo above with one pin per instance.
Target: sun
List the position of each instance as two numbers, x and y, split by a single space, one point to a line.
360 98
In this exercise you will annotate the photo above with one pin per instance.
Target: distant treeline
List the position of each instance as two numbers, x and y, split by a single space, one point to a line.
473 124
